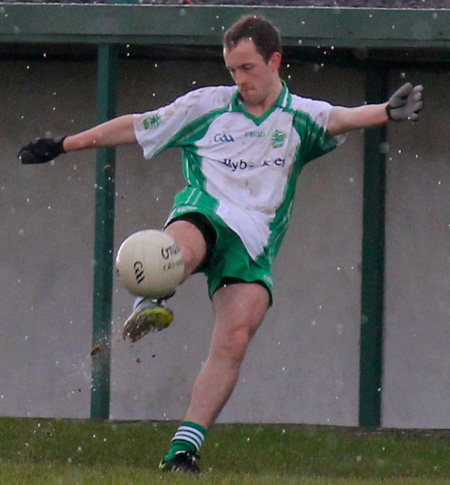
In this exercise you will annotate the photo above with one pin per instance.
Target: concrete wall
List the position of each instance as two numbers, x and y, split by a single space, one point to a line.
417 316
303 365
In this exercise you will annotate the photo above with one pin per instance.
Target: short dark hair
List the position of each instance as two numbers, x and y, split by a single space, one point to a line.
262 32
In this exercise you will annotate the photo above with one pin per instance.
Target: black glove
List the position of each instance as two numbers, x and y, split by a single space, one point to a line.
42 150
405 103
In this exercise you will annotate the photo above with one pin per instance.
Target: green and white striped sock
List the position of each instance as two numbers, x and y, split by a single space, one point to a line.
189 437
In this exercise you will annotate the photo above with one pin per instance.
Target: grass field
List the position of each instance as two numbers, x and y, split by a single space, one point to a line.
48 451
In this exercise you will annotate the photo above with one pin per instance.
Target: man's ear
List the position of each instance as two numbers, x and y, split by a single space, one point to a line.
275 61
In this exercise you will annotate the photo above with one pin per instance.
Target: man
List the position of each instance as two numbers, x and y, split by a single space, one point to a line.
243 149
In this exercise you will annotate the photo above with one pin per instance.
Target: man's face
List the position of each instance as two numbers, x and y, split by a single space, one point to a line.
254 77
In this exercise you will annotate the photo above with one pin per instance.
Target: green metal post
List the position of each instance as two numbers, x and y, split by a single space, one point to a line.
372 284
104 238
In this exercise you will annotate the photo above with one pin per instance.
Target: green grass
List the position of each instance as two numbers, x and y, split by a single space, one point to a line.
48 451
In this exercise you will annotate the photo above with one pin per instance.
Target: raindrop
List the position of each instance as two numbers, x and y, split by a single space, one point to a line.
383 148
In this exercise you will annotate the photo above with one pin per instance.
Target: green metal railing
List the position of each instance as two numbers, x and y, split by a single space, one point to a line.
372 279
104 237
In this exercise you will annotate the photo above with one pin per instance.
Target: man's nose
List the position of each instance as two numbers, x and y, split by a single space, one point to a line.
240 77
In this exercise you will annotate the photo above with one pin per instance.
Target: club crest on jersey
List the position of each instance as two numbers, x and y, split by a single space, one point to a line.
223 137
152 122
278 138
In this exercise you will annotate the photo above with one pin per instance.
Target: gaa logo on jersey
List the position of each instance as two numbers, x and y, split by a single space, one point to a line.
224 138
278 138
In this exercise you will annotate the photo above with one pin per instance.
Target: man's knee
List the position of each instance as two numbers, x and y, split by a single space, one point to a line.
191 242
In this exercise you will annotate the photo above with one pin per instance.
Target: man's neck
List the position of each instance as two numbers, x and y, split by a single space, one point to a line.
259 109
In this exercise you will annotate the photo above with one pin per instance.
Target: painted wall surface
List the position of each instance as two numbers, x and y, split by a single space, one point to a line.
417 304
303 365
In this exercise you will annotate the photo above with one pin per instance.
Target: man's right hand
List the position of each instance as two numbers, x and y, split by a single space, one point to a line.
42 150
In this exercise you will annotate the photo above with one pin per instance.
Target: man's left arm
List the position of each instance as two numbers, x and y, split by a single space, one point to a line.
403 105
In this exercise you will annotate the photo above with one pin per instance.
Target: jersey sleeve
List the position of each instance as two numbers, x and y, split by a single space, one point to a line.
311 122
159 129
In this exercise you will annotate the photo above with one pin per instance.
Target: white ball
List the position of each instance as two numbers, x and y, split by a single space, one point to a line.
149 263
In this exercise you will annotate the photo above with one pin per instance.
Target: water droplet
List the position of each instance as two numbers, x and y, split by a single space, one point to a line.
384 148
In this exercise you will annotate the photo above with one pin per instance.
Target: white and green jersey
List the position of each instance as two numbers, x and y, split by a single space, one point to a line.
241 167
